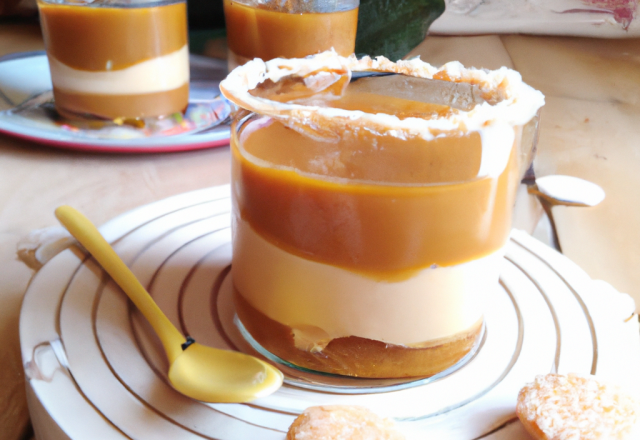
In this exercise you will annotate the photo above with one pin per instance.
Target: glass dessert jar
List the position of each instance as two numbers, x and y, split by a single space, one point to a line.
268 29
118 58
370 217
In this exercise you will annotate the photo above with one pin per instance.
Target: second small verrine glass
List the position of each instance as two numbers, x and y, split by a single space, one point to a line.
290 29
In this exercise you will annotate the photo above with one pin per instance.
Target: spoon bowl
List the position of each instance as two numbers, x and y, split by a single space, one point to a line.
203 373
210 374
568 191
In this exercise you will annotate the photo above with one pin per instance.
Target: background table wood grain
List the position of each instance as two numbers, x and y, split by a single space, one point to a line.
590 129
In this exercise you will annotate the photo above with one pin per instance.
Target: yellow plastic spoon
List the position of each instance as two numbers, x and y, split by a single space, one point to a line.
201 372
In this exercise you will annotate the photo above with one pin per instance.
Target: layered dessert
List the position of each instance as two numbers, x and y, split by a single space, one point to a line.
370 217
291 29
117 60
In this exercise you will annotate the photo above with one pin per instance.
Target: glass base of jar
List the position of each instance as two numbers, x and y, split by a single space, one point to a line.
72 105
354 356
305 378
357 356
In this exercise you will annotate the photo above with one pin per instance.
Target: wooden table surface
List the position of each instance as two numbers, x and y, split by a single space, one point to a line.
590 128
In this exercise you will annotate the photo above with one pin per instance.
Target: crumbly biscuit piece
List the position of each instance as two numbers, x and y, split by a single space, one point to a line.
339 422
575 407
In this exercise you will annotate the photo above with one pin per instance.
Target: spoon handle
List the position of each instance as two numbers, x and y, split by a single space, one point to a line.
88 236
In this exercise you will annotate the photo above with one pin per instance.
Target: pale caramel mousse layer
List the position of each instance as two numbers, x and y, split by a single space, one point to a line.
117 62
321 302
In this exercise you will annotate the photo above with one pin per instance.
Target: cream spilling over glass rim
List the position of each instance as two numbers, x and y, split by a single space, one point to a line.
505 101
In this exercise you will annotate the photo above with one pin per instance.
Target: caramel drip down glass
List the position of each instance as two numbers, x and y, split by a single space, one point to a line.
370 217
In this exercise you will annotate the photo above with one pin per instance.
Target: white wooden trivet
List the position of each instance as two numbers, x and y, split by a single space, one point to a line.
95 370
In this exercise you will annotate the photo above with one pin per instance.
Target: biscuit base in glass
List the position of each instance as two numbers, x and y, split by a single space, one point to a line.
356 356
73 105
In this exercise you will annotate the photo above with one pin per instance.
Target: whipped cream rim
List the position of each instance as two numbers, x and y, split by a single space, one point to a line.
518 102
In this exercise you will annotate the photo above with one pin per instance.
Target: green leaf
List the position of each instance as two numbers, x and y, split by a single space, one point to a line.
393 27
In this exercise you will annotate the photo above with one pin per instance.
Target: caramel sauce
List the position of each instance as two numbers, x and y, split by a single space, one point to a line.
263 33
402 108
375 204
71 105
101 38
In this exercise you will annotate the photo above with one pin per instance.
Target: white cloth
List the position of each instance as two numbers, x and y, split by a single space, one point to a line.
589 18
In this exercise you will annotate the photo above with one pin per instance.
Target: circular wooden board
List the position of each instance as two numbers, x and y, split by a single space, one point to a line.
96 370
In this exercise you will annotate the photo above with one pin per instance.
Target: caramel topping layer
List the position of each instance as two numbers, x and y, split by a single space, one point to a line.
267 34
98 38
395 216
365 157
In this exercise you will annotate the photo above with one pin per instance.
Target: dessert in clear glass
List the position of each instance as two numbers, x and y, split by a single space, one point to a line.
370 216
115 59
270 29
